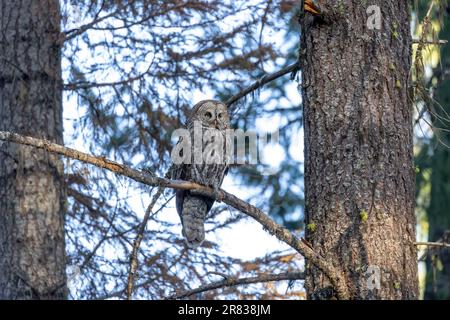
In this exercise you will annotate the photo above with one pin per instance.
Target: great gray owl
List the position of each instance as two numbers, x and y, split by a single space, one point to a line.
208 122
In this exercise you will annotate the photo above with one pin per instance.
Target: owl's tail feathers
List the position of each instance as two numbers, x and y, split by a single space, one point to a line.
193 219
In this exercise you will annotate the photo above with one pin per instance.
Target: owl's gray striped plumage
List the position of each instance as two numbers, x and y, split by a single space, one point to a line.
213 119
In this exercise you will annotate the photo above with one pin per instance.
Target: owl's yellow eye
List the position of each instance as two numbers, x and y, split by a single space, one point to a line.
208 115
220 115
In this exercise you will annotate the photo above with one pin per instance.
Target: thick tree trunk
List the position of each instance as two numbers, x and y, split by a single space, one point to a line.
359 169
32 250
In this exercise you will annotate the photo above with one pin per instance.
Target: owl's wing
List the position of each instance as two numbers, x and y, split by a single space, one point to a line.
177 171
222 176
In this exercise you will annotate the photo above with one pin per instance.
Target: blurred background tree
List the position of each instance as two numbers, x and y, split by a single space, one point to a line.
433 150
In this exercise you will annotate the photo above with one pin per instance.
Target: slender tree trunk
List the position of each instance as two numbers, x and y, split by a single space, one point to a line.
359 169
32 196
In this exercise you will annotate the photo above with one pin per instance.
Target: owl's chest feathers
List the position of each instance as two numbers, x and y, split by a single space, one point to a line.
209 168
209 143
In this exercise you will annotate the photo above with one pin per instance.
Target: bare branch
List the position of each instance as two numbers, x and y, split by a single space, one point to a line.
435 42
231 282
283 234
430 245
137 243
261 82
433 244
69 35
88 85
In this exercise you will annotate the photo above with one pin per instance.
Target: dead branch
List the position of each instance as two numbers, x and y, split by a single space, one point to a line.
261 82
430 42
433 244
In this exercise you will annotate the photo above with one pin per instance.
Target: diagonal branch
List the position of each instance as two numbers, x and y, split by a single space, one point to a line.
231 282
283 234
261 82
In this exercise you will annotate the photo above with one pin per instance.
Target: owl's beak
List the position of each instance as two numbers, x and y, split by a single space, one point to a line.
216 124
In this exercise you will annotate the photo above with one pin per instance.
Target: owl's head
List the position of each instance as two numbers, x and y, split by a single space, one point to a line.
212 114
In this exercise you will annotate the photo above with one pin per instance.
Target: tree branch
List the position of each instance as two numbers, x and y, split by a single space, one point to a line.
231 282
283 234
69 35
88 85
137 243
433 244
261 82
430 42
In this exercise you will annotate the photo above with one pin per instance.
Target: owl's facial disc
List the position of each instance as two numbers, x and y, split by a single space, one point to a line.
213 114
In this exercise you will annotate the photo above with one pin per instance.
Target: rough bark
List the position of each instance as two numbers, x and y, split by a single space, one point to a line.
32 196
359 169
